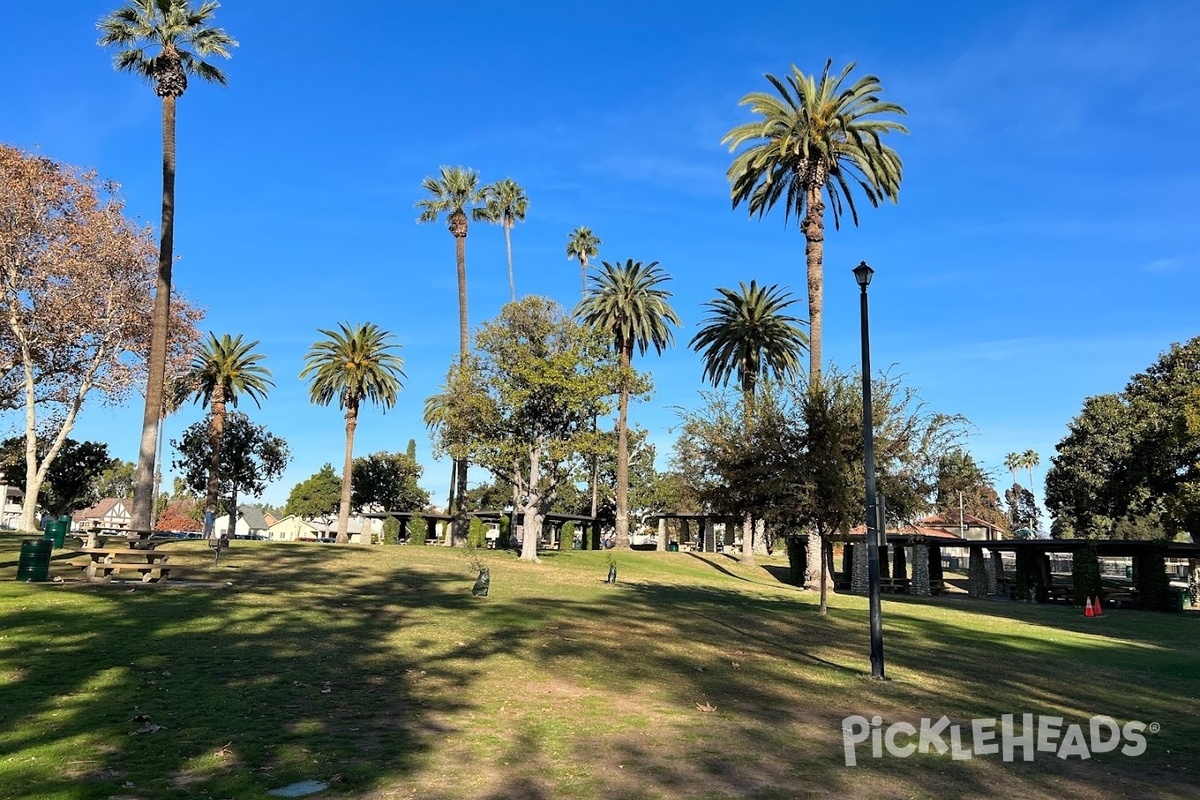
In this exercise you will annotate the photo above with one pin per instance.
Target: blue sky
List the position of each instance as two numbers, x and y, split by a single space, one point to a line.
1045 246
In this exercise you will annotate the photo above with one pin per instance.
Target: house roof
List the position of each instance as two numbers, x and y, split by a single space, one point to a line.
951 521
254 517
98 511
908 530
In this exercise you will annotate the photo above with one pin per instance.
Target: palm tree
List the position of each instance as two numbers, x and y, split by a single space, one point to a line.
505 203
627 303
353 364
582 244
221 370
454 194
1013 462
1029 460
163 41
812 139
748 335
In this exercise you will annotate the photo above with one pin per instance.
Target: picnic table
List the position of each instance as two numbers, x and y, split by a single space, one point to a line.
104 562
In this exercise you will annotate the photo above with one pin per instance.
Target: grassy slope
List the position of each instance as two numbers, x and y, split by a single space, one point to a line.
375 669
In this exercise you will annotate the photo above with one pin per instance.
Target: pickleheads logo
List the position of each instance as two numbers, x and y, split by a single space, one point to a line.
991 737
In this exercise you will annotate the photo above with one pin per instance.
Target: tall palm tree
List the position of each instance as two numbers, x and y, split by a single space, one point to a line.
582 245
457 195
749 335
1014 462
163 41
352 364
1029 460
813 138
505 203
626 302
221 370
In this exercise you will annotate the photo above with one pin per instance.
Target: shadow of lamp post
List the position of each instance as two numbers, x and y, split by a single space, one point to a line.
862 274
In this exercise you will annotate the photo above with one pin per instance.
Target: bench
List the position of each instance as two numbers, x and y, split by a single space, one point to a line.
108 561
893 585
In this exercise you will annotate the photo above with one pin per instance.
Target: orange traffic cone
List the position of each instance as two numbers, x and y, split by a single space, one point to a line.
1098 611
1087 608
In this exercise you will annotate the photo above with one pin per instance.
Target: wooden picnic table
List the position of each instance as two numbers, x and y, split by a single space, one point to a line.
104 562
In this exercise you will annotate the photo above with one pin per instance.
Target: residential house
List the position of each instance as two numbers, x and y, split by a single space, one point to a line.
251 522
11 500
111 512
291 529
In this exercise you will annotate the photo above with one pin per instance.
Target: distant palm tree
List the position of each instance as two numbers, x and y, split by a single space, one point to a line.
163 41
506 204
748 335
352 364
221 370
1029 460
582 245
1014 462
457 195
626 303
810 140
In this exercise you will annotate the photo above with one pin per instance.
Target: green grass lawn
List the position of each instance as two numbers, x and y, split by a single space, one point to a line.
376 671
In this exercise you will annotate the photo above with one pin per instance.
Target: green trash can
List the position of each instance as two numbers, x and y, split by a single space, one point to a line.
34 563
56 531
673 547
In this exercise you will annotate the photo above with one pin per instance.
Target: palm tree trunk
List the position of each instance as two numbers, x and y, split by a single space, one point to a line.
747 425
814 253
623 450
512 286
343 535
458 530
823 609
583 274
143 502
216 432
157 472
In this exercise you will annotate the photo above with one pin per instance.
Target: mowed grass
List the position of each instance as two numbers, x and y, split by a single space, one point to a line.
375 670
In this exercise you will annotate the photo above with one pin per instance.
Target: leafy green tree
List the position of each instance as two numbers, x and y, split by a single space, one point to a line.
1130 462
959 477
505 204
353 364
525 401
1022 509
251 458
117 479
316 497
583 245
70 482
387 481
627 305
221 371
1085 575
810 140
163 41
456 194
748 336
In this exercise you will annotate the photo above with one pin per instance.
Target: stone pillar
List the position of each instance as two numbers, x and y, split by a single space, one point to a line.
935 569
997 572
812 562
685 532
899 562
761 548
704 532
662 535
920 570
977 582
860 578
1193 582
885 571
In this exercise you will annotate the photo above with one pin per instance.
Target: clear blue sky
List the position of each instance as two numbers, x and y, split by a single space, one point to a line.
1044 248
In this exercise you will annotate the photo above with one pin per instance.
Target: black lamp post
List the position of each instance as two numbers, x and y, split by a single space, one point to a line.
862 274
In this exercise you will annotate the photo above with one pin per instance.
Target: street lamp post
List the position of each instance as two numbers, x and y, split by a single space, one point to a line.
862 274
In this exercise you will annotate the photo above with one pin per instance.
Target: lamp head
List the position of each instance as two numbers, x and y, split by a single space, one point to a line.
862 274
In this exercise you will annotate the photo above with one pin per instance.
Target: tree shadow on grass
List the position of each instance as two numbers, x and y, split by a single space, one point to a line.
239 679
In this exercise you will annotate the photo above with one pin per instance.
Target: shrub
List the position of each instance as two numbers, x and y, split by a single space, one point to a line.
797 554
391 530
505 523
1029 574
1152 582
417 530
477 533
566 536
1085 575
